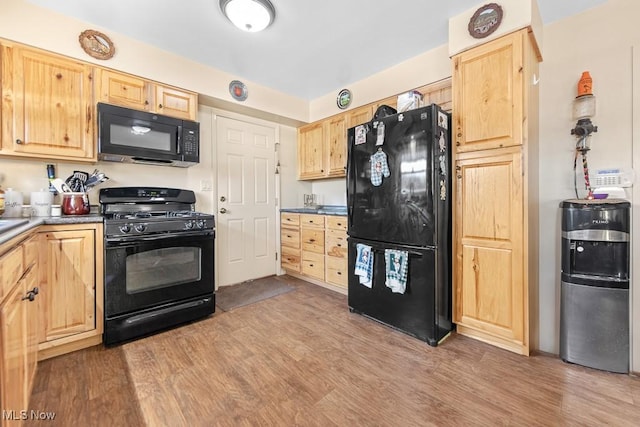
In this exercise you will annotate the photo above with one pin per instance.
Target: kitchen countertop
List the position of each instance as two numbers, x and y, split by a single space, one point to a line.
35 221
319 210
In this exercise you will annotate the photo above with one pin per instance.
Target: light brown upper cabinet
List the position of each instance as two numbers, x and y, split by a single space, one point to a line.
488 95
176 102
322 145
311 151
359 115
134 92
322 149
123 90
336 131
495 225
47 108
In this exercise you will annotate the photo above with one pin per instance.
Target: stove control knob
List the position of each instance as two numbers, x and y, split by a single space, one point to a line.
140 227
125 228
200 223
189 224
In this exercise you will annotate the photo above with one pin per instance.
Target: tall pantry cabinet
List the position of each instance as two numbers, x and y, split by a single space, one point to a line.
495 122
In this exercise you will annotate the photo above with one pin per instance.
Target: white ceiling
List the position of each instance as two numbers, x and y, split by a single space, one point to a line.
312 48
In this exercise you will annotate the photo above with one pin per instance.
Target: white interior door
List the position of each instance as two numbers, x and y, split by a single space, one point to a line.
246 201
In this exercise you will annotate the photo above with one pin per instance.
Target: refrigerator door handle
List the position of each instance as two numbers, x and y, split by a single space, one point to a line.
381 251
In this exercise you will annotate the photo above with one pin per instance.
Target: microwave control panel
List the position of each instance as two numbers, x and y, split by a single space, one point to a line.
190 142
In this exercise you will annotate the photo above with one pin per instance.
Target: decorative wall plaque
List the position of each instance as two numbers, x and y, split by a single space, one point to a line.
485 21
344 99
238 90
96 44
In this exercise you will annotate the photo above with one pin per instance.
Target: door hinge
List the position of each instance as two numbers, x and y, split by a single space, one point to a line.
276 256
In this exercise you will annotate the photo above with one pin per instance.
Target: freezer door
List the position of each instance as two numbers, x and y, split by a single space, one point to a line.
422 311
401 207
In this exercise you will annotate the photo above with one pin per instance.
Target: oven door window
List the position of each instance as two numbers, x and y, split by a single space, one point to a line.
148 273
161 268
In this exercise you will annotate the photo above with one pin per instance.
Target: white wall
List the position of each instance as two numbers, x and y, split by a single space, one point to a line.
600 41
330 191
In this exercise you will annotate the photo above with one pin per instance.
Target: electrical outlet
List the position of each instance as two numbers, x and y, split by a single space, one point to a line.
205 185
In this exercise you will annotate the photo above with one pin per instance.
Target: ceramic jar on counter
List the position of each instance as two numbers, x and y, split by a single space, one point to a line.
75 203
41 202
12 203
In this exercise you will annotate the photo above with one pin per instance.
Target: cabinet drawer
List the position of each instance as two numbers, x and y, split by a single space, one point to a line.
312 240
290 237
11 268
336 272
336 243
313 264
289 219
290 259
316 221
336 222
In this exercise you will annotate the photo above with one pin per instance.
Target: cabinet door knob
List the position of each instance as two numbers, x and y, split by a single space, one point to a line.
160 106
18 141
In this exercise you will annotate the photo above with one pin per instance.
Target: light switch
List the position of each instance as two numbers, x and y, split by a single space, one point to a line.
206 185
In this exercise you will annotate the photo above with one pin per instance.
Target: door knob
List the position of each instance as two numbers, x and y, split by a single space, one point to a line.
223 210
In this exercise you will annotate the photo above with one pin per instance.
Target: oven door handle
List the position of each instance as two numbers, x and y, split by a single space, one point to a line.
117 241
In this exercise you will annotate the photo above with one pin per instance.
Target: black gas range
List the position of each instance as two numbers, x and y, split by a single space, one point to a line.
159 260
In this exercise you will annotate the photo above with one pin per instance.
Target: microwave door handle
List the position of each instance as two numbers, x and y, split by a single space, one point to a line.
179 140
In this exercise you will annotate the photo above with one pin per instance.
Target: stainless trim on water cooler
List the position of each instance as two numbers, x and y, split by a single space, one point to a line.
597 235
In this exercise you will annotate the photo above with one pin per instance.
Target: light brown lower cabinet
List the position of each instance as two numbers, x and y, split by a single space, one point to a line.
71 285
315 247
336 251
290 242
18 329
312 244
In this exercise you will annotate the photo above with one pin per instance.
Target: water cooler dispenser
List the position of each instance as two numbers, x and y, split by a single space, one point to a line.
594 307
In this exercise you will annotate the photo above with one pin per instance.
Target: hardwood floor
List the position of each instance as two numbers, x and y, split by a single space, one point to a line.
302 359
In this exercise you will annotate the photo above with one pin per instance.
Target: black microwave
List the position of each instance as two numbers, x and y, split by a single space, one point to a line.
132 136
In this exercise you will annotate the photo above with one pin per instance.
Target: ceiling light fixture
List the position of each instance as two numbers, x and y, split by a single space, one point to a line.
249 15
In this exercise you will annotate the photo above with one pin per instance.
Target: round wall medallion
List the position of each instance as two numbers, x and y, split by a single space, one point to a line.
344 99
238 90
485 21
96 44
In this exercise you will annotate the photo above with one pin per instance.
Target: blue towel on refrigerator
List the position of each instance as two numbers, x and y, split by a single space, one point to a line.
397 266
364 264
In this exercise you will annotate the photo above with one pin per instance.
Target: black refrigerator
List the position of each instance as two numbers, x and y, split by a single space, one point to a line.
399 203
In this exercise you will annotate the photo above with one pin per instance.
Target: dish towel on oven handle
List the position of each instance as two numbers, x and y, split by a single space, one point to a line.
397 266
364 264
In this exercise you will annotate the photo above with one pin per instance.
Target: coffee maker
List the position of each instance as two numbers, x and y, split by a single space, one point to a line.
594 307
